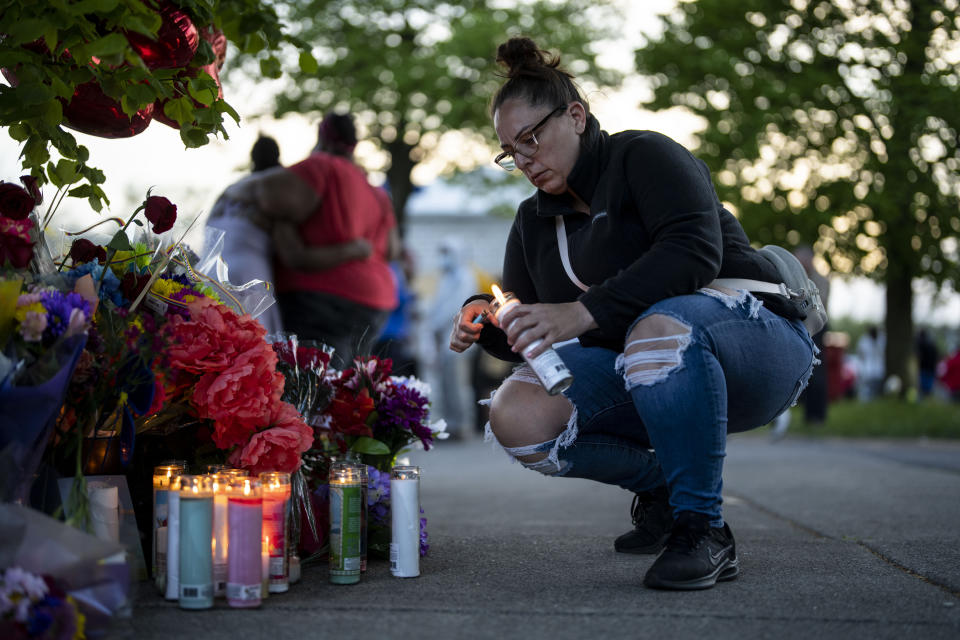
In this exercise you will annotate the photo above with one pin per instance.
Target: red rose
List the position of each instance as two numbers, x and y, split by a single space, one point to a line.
132 283
33 187
83 250
349 412
15 202
16 246
161 212
278 448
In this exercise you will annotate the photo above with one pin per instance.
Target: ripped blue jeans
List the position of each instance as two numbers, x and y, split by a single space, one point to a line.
737 368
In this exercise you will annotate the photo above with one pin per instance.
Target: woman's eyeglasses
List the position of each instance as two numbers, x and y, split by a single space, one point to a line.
526 143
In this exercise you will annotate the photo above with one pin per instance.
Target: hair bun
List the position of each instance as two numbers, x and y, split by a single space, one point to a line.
521 55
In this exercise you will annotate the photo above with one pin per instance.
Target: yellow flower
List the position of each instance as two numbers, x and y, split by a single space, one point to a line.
21 313
165 288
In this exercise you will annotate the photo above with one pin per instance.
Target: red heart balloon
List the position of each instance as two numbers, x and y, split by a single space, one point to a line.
176 41
91 111
218 42
211 69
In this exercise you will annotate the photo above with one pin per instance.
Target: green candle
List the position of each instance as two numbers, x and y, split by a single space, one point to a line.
196 534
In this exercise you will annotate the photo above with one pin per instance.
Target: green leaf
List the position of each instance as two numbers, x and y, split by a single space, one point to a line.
129 105
60 88
370 446
110 45
92 6
52 113
180 110
83 191
193 137
201 91
31 93
19 132
50 37
253 43
145 25
270 67
95 203
308 64
24 31
223 106
63 173
120 242
142 94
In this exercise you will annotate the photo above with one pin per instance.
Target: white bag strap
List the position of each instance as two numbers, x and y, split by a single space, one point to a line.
752 285
565 253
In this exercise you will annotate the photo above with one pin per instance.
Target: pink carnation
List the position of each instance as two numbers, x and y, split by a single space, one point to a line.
213 338
240 396
278 448
33 326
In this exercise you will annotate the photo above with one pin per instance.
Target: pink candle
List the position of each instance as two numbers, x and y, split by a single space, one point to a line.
244 568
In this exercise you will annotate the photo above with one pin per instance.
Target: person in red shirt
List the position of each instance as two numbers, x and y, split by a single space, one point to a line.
948 372
322 200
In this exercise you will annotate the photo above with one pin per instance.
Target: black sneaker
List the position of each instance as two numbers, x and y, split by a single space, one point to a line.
696 555
652 519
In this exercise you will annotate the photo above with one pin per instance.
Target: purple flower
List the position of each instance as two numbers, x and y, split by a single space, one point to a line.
404 408
60 307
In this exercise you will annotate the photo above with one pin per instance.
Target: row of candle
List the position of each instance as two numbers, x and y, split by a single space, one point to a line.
243 518
246 519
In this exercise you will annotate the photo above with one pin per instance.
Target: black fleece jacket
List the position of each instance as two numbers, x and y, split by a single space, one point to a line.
656 229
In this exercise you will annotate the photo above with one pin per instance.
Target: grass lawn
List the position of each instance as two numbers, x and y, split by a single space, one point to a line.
884 418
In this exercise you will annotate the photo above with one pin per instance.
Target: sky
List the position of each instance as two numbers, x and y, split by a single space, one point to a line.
193 178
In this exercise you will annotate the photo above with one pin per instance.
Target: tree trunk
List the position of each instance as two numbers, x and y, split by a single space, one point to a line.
898 325
401 186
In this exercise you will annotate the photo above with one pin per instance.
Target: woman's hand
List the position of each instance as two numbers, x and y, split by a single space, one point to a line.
551 323
358 249
465 330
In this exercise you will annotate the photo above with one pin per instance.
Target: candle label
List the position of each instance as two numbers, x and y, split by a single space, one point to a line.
345 530
199 593
244 592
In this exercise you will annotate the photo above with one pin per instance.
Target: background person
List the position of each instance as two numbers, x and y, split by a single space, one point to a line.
646 236
454 402
248 248
870 367
322 200
927 358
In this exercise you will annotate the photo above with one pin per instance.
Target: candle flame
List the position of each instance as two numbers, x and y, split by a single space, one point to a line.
246 487
195 489
498 294
169 472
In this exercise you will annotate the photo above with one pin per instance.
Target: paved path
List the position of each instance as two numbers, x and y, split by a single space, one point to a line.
837 539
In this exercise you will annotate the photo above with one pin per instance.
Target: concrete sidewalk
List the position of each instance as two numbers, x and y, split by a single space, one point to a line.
837 539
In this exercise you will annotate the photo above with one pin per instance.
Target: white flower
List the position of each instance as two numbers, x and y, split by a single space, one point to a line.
32 585
439 429
416 384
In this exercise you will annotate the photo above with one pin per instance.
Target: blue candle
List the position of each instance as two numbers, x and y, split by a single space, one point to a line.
196 536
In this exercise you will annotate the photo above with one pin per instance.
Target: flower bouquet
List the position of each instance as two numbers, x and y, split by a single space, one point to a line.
373 418
33 606
43 321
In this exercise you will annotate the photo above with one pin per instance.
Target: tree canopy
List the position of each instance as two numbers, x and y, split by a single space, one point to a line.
414 69
121 61
832 123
